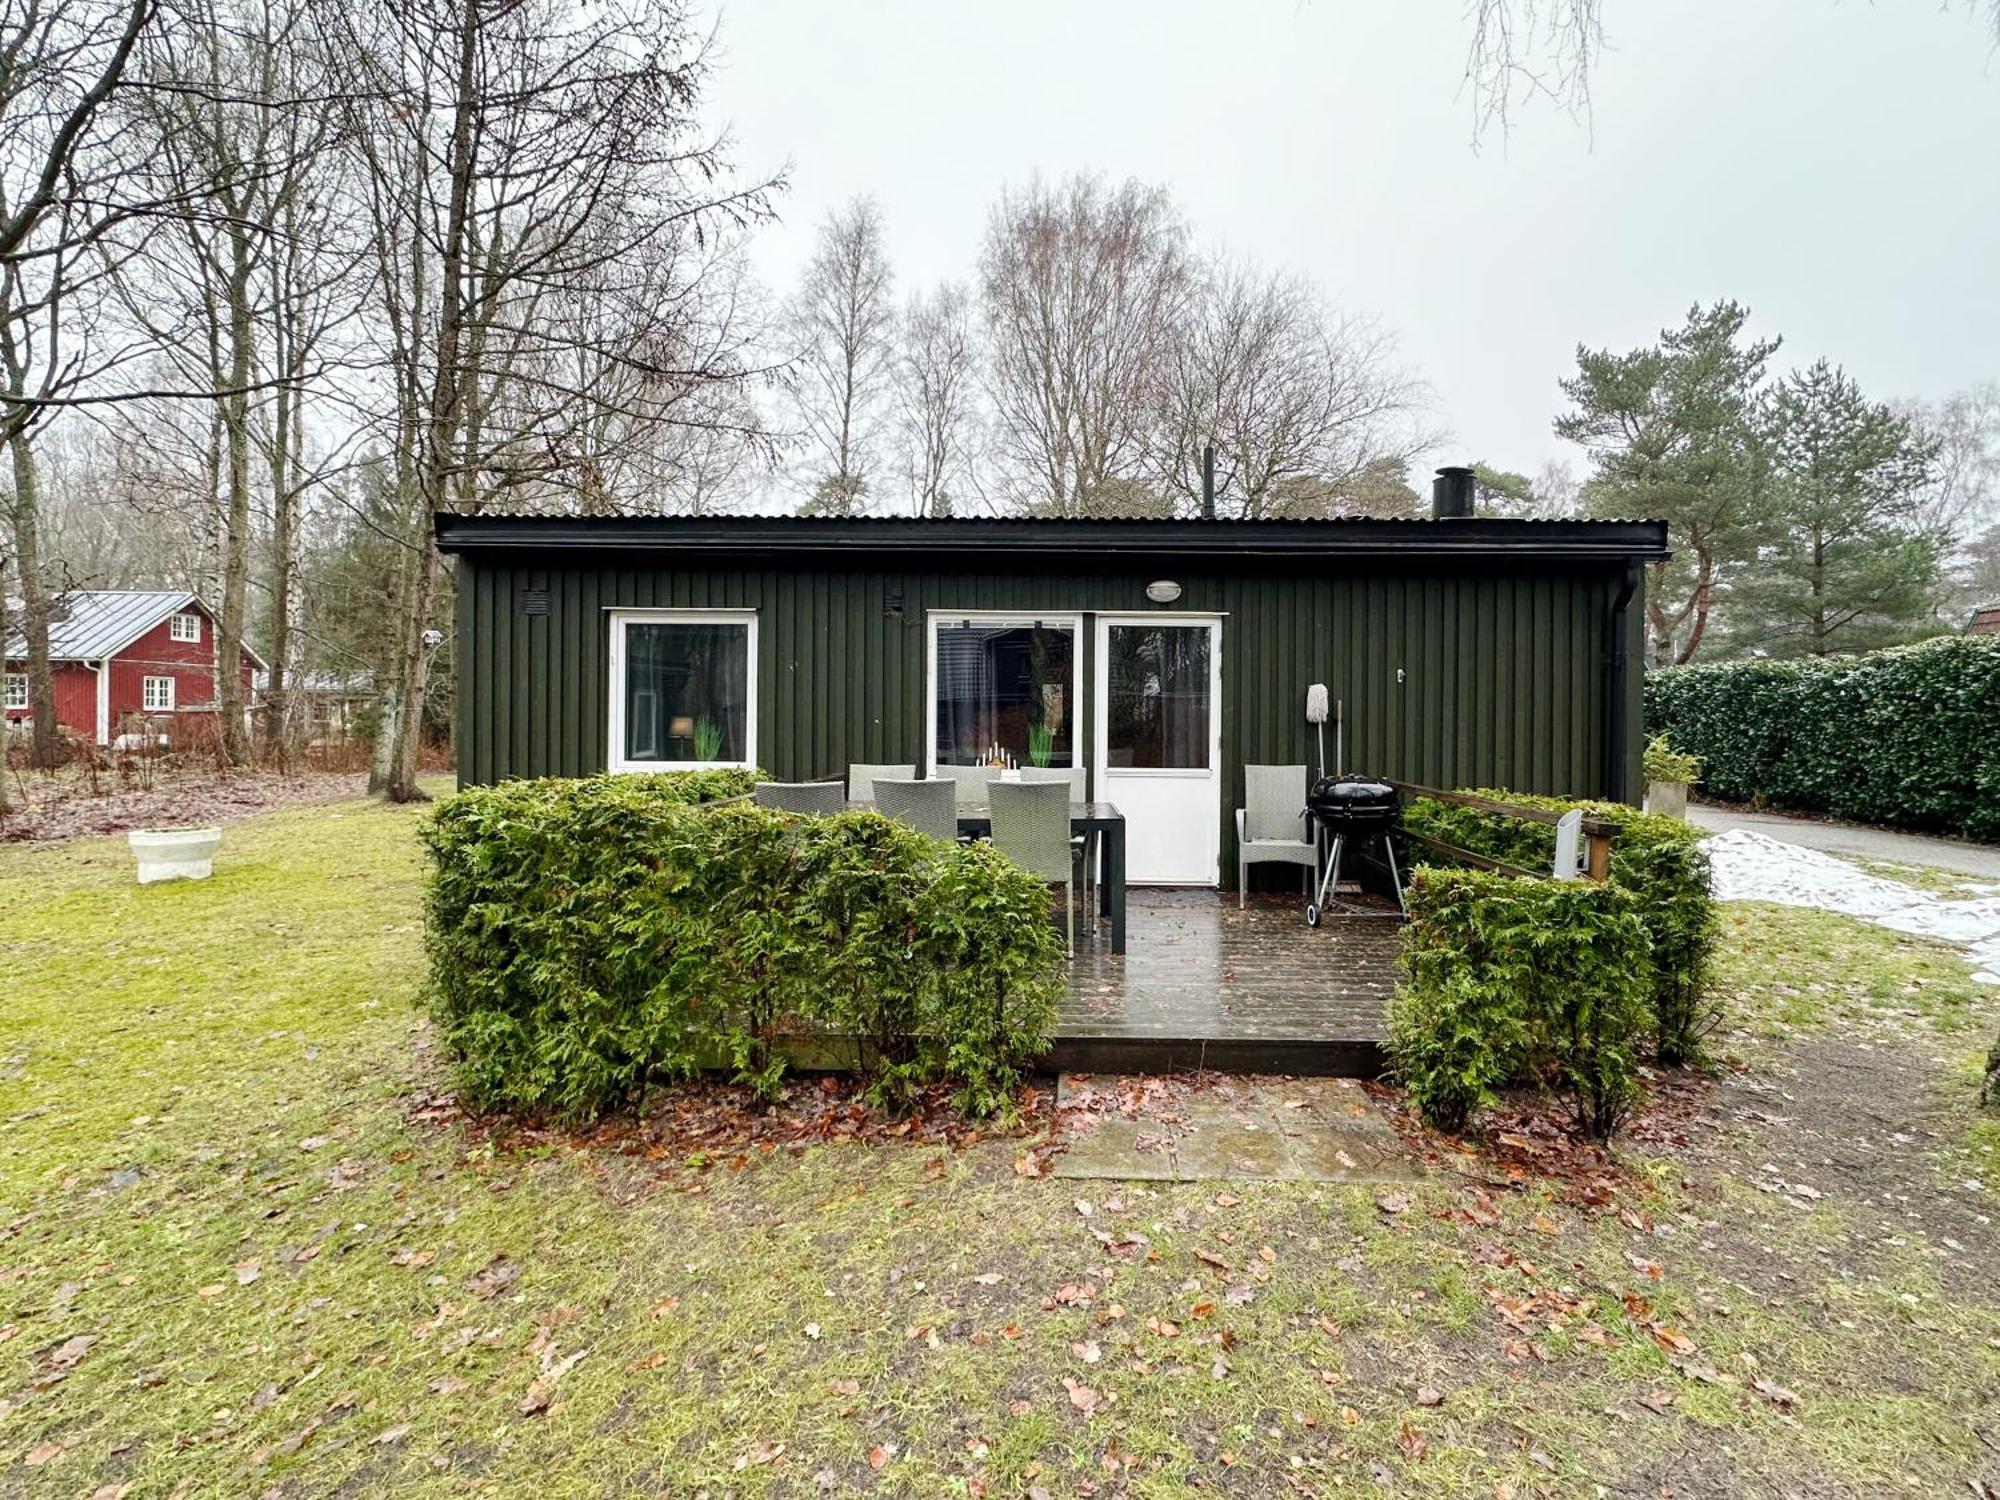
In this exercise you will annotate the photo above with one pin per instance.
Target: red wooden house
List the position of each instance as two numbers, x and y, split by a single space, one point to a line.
125 660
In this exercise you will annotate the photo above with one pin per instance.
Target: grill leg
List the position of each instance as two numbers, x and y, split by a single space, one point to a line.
1395 876
1332 873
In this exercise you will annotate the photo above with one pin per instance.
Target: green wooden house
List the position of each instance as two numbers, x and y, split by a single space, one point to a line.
1160 656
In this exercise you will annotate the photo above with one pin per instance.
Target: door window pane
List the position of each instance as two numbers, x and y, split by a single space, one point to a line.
1005 686
1158 713
687 692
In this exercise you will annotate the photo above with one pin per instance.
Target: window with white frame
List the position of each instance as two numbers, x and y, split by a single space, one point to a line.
156 694
184 627
1007 685
683 689
17 690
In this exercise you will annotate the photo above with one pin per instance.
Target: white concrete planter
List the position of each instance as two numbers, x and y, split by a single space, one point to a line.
1667 798
183 854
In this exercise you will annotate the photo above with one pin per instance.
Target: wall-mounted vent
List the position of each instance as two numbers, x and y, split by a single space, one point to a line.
534 601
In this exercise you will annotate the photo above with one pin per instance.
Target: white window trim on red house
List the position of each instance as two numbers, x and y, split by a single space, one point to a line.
16 693
184 626
152 702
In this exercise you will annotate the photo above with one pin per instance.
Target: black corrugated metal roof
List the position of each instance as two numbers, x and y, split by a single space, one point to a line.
1474 537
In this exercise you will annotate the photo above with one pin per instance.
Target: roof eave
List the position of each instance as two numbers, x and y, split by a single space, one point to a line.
1478 538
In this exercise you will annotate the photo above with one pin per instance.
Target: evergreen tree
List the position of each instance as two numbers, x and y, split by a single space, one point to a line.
1846 561
1671 430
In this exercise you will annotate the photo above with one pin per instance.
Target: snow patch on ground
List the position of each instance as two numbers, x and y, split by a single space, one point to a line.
1754 867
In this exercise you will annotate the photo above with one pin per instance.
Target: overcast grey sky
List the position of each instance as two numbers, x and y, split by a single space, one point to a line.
1836 166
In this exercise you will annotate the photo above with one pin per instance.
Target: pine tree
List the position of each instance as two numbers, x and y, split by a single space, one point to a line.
1845 561
1671 430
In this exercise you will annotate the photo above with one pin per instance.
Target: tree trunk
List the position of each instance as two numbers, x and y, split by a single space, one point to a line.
1704 585
287 484
5 806
46 751
446 420
235 412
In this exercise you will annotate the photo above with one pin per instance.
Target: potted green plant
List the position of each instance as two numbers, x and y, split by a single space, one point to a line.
1041 744
707 739
1668 774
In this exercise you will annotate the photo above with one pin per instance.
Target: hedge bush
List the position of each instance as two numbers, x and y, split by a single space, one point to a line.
1904 736
591 939
1659 860
1509 980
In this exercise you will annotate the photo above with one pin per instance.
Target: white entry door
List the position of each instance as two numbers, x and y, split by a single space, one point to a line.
1159 742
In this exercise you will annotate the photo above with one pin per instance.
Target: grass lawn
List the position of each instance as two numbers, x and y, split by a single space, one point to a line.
239 1257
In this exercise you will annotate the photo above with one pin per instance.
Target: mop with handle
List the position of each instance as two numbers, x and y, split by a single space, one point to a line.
1316 716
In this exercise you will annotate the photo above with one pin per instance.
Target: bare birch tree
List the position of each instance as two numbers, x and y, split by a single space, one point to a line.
937 399
1082 286
844 327
1282 387
512 149
62 161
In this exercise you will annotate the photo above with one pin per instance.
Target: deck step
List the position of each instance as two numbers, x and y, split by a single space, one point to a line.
1304 1057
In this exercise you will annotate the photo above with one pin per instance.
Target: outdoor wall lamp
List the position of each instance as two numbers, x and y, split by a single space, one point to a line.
1163 591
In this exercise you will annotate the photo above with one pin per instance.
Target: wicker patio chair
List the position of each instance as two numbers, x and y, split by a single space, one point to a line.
1075 776
801 796
861 779
1031 827
1270 827
927 806
972 781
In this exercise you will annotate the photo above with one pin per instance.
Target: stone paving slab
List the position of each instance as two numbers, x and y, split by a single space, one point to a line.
1152 1129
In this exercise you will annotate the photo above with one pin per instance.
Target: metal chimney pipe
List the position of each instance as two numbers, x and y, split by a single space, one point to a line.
1208 481
1451 494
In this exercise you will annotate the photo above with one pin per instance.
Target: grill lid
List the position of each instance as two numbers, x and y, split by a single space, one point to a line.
1355 799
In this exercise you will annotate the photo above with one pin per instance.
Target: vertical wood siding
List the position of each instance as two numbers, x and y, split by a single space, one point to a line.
1451 679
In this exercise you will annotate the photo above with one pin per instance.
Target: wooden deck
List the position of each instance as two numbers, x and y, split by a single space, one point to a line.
1203 985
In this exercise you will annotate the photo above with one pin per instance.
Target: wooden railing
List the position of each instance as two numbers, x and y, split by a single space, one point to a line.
1596 834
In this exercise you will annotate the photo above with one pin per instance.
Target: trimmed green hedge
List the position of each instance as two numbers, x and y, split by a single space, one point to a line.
1659 860
1509 980
591 939
1905 736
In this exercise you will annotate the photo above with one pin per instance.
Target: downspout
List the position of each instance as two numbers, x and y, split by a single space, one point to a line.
103 671
1618 739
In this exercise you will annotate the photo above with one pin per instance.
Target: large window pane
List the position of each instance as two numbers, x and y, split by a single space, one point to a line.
1007 686
687 691
1158 714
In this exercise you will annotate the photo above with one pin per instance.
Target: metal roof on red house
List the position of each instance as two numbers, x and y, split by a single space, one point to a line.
95 623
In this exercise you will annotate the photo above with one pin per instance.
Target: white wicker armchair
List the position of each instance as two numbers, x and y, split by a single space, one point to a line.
1271 825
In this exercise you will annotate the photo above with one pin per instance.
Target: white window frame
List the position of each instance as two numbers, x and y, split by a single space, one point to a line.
620 621
149 700
185 625
1072 618
15 693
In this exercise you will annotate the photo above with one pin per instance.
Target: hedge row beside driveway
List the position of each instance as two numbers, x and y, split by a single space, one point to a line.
1909 736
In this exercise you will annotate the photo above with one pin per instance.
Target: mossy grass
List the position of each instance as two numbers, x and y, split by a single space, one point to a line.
216 1163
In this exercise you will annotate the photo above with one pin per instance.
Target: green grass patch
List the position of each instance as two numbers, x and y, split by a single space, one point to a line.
237 1260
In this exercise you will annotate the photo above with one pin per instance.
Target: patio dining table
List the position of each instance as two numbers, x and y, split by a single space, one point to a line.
1100 823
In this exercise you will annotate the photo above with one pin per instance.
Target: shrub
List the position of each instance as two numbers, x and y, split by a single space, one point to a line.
1511 980
1659 860
1662 762
592 939
1903 736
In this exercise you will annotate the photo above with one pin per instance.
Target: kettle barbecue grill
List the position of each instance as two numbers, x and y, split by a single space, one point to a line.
1352 807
